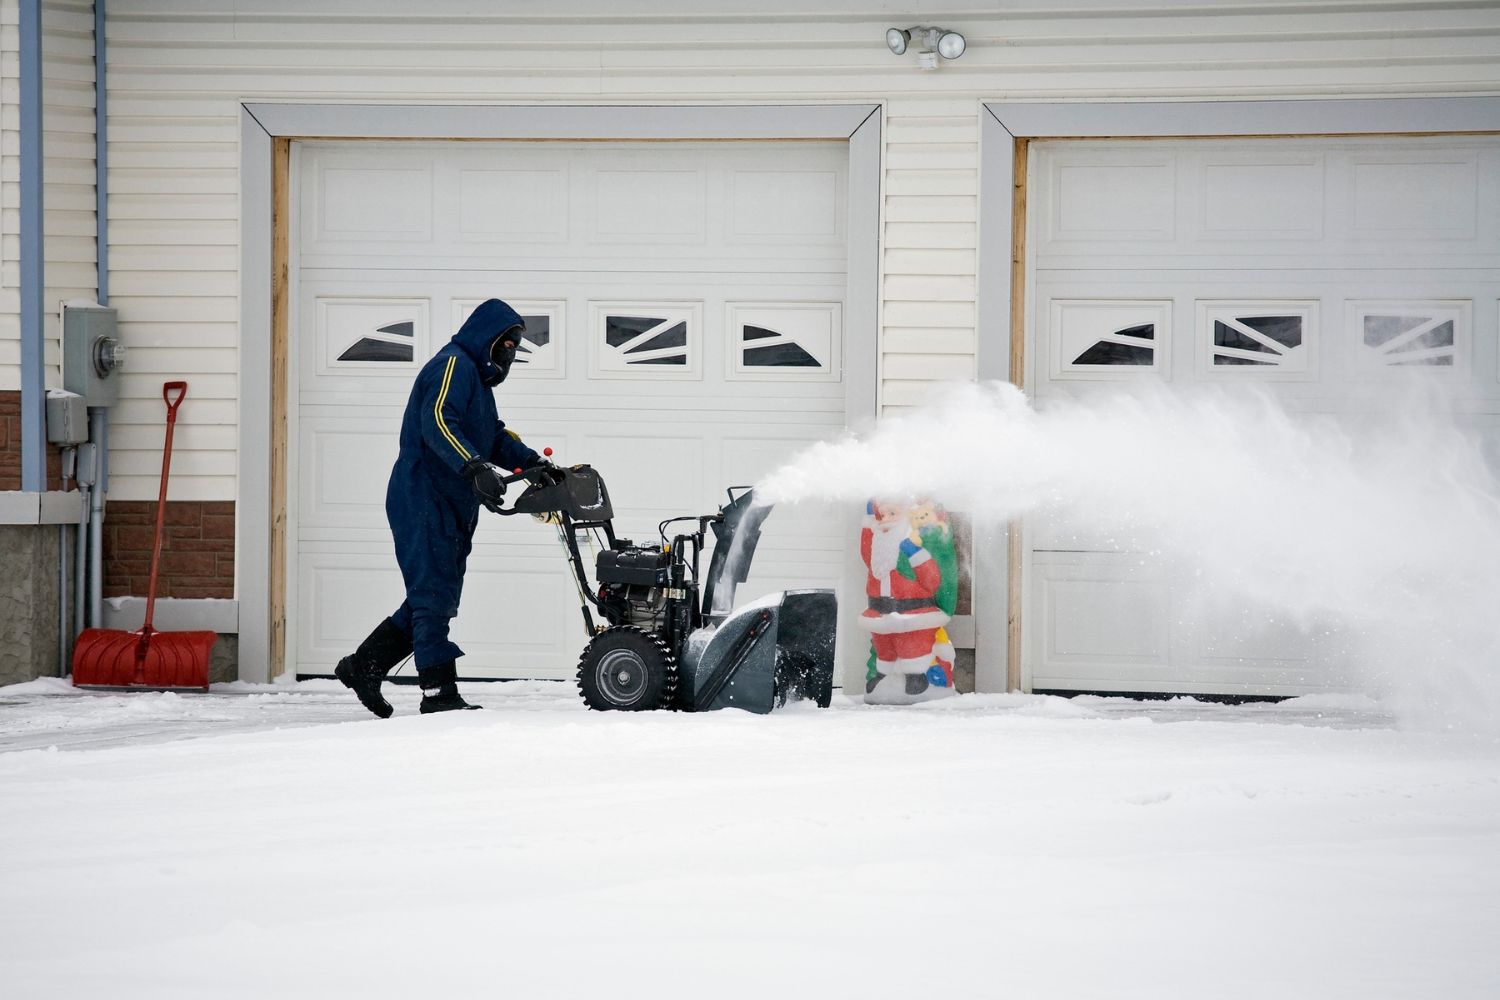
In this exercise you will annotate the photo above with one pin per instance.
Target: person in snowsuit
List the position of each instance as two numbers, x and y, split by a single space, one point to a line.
453 449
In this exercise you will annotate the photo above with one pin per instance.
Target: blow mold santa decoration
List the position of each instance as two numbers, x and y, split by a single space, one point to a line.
911 590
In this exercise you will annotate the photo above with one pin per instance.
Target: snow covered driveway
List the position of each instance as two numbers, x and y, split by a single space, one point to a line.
994 846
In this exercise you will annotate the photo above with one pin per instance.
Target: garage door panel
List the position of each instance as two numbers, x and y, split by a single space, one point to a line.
362 202
650 206
1125 197
1099 610
1414 196
518 623
345 471
1294 213
341 597
785 207
495 206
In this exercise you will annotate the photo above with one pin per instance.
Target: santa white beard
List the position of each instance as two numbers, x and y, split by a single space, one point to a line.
885 550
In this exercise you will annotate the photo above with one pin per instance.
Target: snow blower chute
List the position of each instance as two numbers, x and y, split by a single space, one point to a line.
659 645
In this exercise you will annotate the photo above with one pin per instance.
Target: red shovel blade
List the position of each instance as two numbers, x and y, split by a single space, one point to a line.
106 657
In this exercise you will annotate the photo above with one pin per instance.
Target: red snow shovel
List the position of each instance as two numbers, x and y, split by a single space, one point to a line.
106 657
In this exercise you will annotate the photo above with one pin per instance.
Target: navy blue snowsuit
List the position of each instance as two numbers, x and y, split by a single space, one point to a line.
450 418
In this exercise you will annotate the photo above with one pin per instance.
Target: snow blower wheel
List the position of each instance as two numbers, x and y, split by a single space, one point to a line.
626 669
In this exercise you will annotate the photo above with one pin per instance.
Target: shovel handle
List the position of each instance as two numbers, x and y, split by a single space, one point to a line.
167 390
172 393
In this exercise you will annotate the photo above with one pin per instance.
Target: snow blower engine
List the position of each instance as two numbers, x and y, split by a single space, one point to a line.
659 645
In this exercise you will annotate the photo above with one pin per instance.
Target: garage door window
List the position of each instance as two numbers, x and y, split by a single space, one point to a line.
376 336
389 343
1097 339
645 340
1411 334
792 340
1256 339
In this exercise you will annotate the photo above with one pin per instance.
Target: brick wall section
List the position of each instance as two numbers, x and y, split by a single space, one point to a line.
10 446
197 549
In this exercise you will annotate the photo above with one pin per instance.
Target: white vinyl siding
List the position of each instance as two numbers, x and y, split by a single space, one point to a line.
68 168
179 69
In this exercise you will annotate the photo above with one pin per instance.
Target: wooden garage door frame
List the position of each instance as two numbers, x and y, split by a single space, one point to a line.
266 132
1005 133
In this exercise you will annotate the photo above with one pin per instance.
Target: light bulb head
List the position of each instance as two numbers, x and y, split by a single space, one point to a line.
896 40
951 45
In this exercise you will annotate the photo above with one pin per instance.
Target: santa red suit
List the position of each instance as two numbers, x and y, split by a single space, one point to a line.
901 616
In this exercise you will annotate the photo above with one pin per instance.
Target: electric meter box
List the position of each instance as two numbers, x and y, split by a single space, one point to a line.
67 418
91 353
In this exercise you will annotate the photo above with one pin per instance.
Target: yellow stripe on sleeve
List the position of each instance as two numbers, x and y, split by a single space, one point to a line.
437 411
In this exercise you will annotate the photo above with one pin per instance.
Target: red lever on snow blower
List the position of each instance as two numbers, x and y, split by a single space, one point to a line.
146 657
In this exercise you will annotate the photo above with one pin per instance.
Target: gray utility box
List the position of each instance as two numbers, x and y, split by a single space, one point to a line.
91 353
67 418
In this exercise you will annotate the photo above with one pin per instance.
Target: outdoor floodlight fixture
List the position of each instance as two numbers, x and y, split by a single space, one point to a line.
938 42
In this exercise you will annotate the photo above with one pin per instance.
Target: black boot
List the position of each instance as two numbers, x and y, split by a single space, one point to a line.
440 689
364 669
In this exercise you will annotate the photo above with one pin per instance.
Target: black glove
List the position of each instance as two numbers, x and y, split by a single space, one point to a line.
542 470
486 481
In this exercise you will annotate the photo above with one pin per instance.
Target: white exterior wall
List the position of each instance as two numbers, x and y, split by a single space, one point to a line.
68 120
178 70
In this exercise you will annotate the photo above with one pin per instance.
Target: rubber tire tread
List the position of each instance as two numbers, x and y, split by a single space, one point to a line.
650 644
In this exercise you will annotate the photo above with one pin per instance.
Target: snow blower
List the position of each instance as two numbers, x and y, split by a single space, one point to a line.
658 645
106 657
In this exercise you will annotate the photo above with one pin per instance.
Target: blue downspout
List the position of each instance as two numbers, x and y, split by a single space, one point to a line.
33 381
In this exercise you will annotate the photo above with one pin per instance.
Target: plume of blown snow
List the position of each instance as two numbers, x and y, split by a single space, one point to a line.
1384 519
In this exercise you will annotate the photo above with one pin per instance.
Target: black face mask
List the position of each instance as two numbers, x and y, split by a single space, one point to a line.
502 357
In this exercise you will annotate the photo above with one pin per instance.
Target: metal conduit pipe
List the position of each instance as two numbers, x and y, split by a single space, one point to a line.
81 544
69 459
98 432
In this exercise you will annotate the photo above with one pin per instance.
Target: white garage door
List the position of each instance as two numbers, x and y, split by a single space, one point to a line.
684 306
1308 266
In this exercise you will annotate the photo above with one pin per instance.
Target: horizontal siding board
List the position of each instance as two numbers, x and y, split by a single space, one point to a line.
192 484
932 367
157 256
913 208
189 435
172 206
920 340
224 335
185 284
932 235
191 181
179 309
187 156
934 314
70 279
910 262
928 288
182 361
901 183
144 406
175 232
